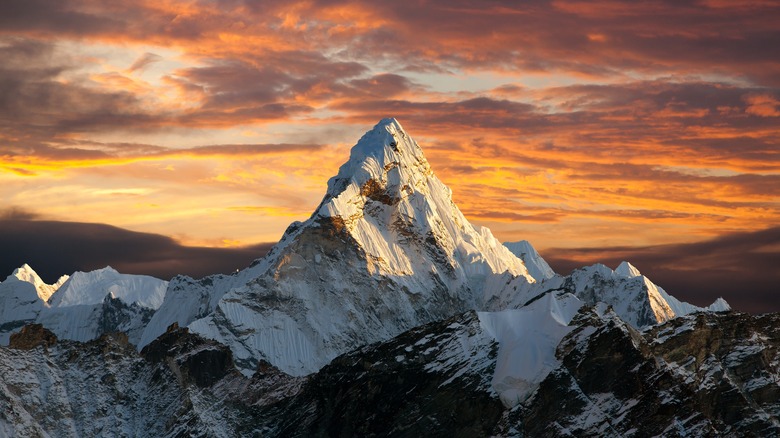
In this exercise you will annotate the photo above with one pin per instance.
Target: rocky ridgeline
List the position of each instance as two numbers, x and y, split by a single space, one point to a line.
700 375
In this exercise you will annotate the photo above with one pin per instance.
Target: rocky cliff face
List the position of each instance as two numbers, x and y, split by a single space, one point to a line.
701 375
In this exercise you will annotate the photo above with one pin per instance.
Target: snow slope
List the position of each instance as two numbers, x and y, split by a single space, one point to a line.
187 300
80 307
87 288
22 297
89 304
45 291
636 299
537 266
528 338
98 389
680 308
386 250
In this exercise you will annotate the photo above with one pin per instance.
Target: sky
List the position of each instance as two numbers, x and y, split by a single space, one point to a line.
174 136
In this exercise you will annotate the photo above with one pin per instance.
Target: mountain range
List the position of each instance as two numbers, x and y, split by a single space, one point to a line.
386 312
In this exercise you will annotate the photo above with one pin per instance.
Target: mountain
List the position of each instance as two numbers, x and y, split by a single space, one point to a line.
536 265
28 275
187 299
99 388
384 313
82 306
707 374
85 288
22 297
627 270
385 251
634 298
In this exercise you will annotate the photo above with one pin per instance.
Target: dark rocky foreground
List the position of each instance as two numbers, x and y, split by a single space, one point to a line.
706 374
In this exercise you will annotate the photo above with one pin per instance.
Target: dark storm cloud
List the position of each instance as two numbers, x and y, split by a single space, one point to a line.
740 267
55 248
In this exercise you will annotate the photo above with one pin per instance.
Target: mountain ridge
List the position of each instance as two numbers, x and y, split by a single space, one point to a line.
386 290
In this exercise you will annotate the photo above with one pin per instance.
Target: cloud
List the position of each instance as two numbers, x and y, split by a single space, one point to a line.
652 120
542 36
40 100
54 248
59 18
740 267
144 61
762 105
17 214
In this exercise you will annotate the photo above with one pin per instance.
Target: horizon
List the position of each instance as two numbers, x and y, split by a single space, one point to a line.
601 133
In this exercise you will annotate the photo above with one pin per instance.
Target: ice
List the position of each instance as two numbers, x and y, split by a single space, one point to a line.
83 288
528 338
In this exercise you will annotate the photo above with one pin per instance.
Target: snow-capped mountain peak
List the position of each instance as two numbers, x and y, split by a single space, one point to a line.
27 274
89 288
636 299
80 307
386 195
387 249
719 305
626 269
537 266
385 159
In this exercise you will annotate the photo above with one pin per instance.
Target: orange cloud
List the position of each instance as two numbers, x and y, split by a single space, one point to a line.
762 105
644 121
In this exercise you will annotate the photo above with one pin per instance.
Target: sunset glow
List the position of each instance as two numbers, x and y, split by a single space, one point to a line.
566 123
